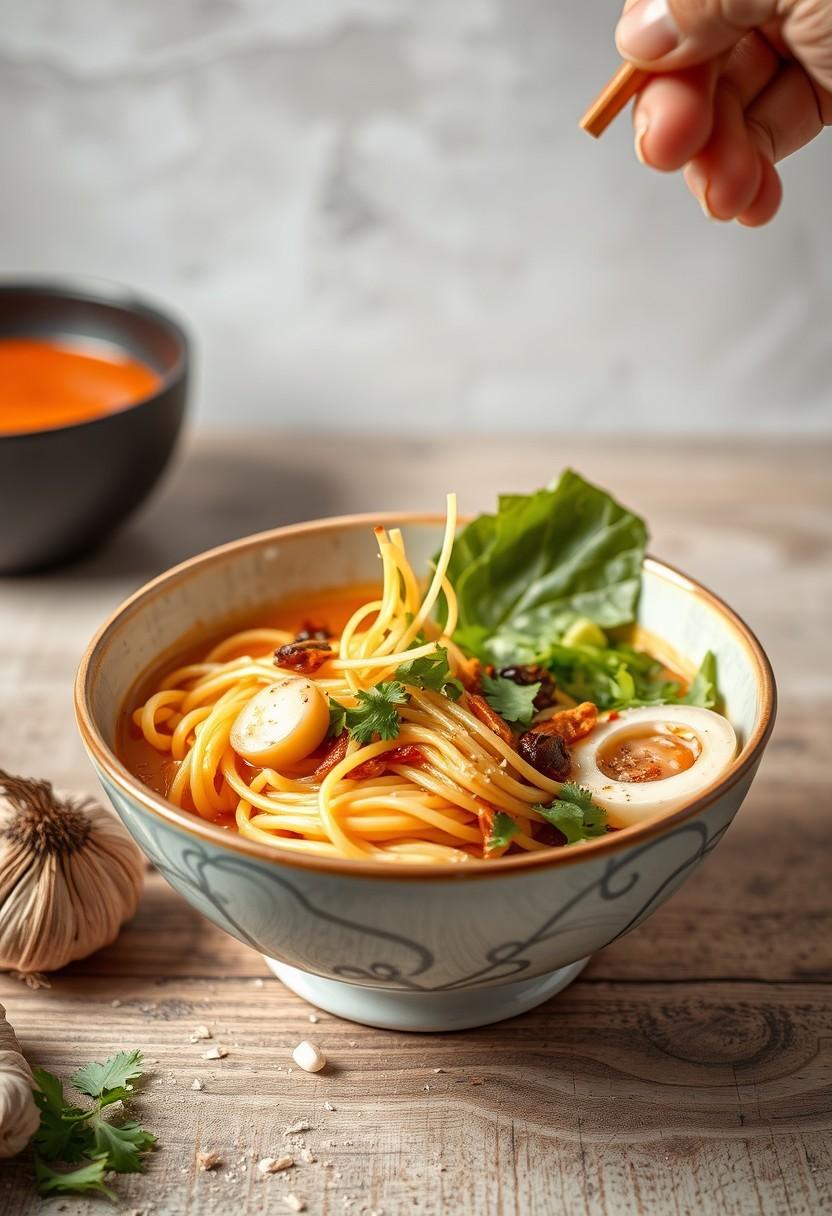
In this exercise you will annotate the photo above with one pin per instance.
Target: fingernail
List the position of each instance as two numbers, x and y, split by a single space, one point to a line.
699 185
642 122
647 31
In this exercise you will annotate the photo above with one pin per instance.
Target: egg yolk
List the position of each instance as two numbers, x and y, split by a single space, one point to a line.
650 754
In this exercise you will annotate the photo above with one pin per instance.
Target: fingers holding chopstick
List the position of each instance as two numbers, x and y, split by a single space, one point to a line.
673 117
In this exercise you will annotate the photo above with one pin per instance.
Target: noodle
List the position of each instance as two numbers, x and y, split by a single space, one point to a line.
433 802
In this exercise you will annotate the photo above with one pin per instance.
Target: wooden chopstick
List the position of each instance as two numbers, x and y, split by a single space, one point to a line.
612 99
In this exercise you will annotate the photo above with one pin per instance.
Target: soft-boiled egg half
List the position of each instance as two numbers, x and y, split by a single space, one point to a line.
652 760
281 724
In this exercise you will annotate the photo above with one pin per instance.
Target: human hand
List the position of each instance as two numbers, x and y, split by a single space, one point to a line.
749 82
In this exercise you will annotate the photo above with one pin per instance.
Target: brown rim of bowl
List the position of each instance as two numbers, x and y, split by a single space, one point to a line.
111 294
133 788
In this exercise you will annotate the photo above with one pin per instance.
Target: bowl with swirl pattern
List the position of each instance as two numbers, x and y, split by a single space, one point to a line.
400 946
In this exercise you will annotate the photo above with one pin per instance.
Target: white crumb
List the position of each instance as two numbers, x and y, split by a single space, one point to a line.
309 1057
274 1165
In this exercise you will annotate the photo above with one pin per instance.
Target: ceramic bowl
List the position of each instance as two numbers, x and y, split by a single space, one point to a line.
64 489
394 945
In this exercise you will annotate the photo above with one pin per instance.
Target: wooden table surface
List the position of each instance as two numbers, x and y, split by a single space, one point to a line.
689 1070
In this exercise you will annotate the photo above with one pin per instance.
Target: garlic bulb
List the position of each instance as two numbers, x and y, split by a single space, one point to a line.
19 1117
69 876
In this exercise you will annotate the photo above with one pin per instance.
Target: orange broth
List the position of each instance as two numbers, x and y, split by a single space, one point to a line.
329 610
46 384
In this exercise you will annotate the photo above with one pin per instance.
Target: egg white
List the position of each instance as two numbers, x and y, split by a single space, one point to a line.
629 802
281 724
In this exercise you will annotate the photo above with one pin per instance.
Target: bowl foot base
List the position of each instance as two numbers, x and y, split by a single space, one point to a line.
392 1009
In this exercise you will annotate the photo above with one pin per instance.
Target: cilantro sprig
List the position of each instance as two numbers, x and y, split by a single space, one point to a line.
514 702
70 1133
575 814
377 712
87 1178
502 830
431 671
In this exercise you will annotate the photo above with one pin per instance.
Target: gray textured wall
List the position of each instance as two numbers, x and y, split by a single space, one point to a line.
382 212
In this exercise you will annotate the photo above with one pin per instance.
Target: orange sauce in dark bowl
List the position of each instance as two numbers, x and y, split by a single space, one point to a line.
47 383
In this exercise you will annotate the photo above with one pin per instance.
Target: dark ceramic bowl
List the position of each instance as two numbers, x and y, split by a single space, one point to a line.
65 489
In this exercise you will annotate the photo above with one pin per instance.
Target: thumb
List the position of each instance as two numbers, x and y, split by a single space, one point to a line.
663 35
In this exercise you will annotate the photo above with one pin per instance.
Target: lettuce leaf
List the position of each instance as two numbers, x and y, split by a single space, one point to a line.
562 564
541 562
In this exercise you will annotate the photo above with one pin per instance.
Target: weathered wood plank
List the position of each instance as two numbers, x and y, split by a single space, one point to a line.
621 1093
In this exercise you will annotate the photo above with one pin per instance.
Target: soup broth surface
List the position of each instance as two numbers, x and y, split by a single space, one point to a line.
329 610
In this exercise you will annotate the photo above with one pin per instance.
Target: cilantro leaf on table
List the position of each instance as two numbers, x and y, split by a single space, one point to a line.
575 815
502 830
62 1132
431 671
514 702
69 1133
113 1076
123 1145
86 1178
376 712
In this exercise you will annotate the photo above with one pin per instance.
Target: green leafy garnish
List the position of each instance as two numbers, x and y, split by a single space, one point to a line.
514 702
575 815
110 1081
543 561
376 712
619 677
544 579
702 689
502 830
123 1145
337 719
86 1178
612 677
432 671
63 1132
70 1133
